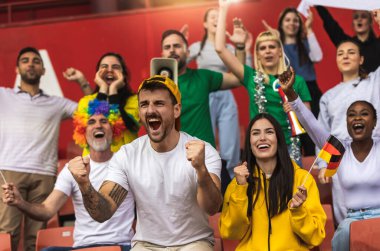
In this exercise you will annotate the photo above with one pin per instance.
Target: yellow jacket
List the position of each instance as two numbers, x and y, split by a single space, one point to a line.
131 108
294 229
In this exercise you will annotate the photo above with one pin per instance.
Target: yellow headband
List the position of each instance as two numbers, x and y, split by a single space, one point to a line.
173 87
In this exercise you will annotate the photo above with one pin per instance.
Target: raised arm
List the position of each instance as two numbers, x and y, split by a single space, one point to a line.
234 222
41 212
376 16
229 59
209 196
239 38
100 205
315 130
332 28
77 76
315 53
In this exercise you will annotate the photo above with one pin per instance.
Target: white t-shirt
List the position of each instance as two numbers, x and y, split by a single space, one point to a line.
165 190
360 181
117 230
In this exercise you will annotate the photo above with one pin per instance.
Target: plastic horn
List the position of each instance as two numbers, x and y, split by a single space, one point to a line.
295 125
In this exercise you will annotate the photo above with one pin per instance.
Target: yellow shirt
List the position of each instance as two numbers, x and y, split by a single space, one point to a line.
131 108
294 229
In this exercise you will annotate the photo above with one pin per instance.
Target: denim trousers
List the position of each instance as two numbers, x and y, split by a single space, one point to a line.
341 239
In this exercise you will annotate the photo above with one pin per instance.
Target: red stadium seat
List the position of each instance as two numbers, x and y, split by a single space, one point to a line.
67 210
105 248
5 240
325 193
329 228
226 245
365 235
60 236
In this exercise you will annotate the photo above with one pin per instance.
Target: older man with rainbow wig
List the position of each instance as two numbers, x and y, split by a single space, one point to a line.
97 125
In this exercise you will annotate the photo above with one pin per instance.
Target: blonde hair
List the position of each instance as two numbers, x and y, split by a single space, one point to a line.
269 36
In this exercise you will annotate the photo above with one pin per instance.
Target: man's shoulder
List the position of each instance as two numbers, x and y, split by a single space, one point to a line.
200 72
7 90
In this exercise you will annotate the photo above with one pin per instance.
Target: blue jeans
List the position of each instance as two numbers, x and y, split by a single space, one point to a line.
123 248
224 116
341 239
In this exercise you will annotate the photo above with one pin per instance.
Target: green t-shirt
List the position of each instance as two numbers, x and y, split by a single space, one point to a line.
273 106
195 87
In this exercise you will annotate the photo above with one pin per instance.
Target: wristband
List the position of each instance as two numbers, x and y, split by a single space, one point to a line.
240 47
85 85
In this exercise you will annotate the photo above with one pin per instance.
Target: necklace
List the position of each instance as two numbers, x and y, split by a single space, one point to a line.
260 98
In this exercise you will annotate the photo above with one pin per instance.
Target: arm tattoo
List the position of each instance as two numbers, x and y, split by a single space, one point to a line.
97 206
118 194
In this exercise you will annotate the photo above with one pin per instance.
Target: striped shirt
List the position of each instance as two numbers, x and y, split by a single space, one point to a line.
29 129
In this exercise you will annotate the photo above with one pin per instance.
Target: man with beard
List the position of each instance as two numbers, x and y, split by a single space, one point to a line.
29 131
98 124
195 86
174 177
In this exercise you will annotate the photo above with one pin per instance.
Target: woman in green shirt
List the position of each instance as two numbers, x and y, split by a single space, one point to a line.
269 62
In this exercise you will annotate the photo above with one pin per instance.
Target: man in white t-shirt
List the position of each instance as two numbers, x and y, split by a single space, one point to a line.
174 177
97 125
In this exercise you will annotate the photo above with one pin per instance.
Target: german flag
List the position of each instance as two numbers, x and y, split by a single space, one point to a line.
332 152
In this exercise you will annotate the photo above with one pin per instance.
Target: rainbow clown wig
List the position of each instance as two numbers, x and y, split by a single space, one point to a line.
86 109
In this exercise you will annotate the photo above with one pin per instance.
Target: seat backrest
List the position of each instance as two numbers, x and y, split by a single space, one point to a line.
68 208
365 235
218 246
214 224
329 228
5 240
325 193
105 248
226 245
59 236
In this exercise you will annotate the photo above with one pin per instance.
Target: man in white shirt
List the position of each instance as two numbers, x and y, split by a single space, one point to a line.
95 124
29 131
174 177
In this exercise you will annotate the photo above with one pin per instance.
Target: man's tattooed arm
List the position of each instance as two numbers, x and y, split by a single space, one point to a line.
103 204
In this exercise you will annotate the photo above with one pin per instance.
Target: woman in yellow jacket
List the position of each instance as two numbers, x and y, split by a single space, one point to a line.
266 206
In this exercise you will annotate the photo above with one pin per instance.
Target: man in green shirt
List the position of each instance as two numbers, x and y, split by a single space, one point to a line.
195 87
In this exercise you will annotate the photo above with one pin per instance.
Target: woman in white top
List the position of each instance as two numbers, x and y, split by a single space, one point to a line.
358 173
356 85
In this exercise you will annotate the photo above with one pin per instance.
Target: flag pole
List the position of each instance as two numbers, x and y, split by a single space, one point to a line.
307 175
2 176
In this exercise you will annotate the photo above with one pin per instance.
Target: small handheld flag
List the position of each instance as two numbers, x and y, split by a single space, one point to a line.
332 152
295 125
